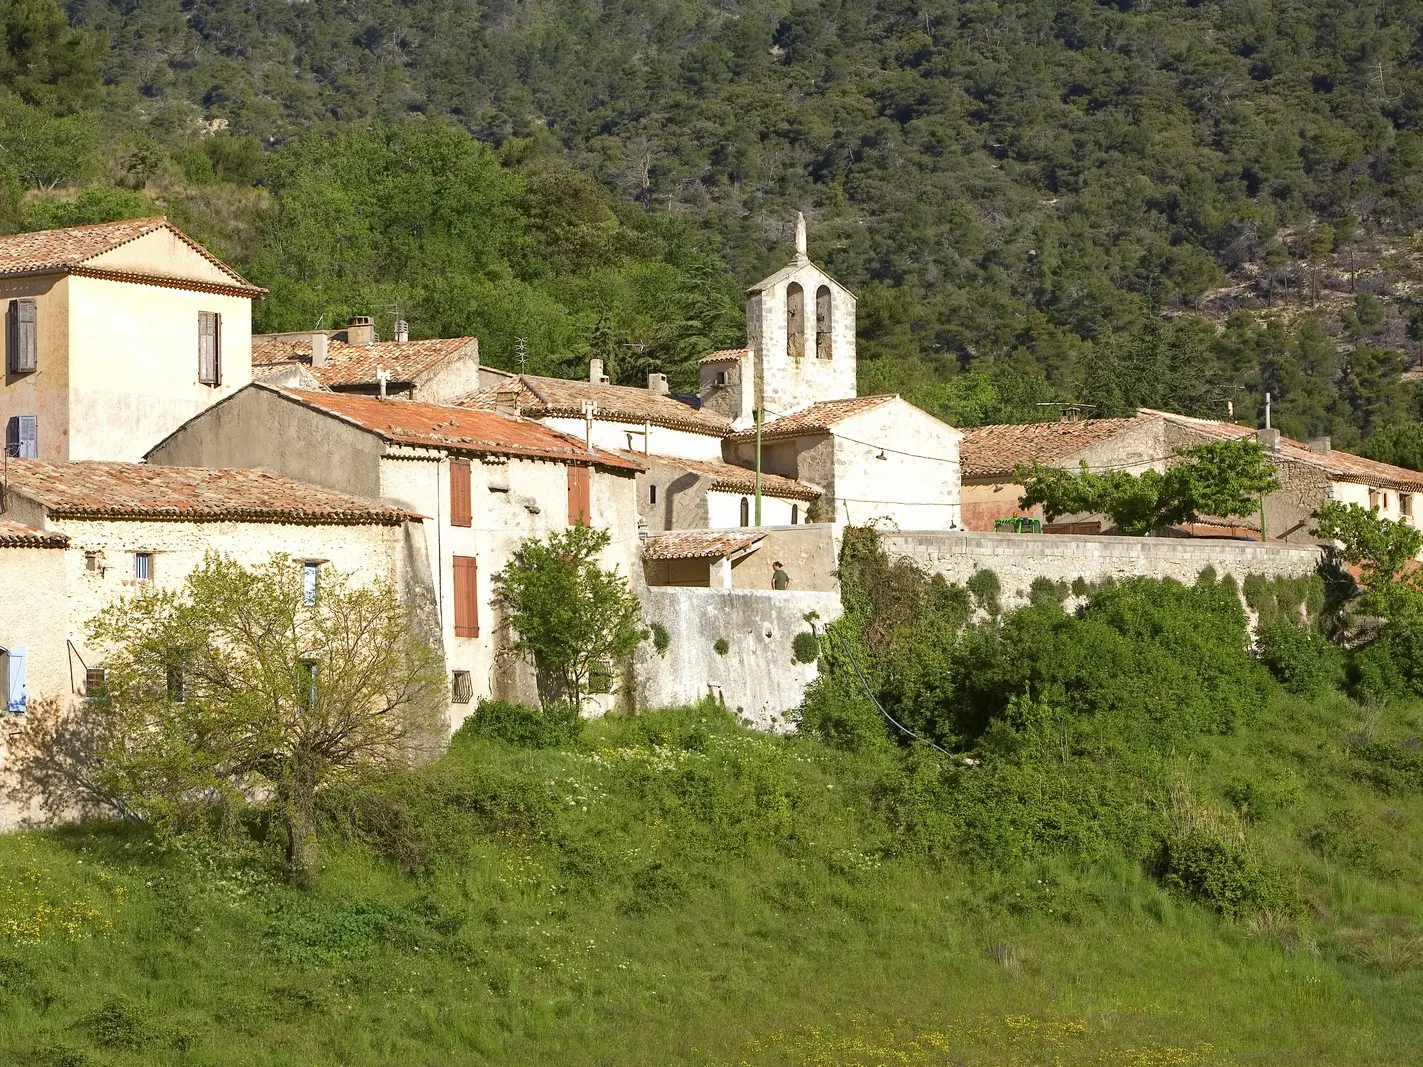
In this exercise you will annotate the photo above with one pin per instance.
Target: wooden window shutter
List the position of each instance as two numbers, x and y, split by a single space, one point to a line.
28 347
580 512
22 437
461 511
466 596
209 348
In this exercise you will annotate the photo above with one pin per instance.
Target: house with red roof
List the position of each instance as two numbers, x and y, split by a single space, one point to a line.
115 334
482 482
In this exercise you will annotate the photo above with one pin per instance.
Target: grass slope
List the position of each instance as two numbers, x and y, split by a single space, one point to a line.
671 889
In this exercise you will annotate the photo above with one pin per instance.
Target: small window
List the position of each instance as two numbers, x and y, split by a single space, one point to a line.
745 512
143 566
22 437
600 677
461 687
96 683
652 494
795 514
209 348
12 680
307 673
310 577
177 684
21 337
719 380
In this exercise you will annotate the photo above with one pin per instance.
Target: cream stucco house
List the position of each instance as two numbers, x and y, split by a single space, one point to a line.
116 334
483 482
77 537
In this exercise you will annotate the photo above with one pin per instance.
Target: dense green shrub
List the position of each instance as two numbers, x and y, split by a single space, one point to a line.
1303 660
1295 599
661 639
1044 590
805 646
555 726
1224 875
986 588
720 646
1392 665
837 711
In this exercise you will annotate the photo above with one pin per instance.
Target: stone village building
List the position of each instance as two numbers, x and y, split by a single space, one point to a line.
115 334
481 482
76 537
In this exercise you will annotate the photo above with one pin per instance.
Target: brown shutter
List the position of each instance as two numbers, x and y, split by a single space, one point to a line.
461 512
580 513
466 596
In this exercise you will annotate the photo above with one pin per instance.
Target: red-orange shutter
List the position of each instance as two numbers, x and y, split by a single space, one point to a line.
466 596
580 512
461 512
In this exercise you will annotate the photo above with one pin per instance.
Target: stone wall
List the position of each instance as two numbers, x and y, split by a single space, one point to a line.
1019 558
758 678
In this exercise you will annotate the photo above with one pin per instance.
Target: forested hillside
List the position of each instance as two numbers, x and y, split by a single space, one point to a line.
1161 203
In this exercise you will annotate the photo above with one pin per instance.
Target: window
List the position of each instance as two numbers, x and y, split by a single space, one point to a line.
143 566
96 683
22 437
1405 505
177 688
795 320
580 513
745 512
310 579
306 683
822 322
795 514
21 337
12 679
209 348
719 379
600 677
461 687
466 596
652 494
461 510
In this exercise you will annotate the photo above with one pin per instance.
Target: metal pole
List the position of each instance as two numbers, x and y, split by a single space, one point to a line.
757 416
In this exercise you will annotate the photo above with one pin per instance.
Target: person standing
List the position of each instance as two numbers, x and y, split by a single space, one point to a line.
779 578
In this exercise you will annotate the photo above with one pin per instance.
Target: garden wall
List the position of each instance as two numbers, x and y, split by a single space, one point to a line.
757 678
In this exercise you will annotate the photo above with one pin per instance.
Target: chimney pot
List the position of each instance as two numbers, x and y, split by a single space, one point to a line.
318 349
506 398
1322 445
402 330
595 372
1269 439
361 330
657 383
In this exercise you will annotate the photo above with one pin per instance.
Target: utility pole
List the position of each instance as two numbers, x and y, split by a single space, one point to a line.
757 416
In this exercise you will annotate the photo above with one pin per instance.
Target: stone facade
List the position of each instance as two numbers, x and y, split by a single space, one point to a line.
1019 558
797 362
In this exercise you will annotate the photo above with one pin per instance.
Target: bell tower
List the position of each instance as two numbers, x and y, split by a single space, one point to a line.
800 325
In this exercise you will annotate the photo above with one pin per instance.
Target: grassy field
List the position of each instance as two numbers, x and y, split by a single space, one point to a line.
671 889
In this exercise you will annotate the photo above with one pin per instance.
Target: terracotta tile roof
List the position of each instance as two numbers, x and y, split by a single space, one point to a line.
457 429
357 364
71 248
90 489
990 450
699 544
544 397
17 535
725 355
731 478
1340 466
818 418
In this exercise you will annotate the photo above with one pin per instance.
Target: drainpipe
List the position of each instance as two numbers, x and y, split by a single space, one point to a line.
757 416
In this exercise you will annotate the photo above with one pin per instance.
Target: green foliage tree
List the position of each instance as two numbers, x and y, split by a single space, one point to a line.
1218 478
233 688
1400 444
1382 548
566 611
44 61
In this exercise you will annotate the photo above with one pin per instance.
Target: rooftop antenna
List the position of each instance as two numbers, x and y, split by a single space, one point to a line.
590 410
521 353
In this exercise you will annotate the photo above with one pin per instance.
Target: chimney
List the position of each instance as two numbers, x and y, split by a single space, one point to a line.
361 330
402 330
657 383
318 349
506 398
595 372
1320 445
1269 439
